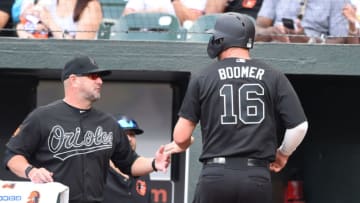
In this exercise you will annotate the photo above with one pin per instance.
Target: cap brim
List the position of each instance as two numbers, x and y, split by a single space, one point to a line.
137 131
101 72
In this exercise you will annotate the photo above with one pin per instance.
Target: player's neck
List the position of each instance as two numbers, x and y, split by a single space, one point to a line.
77 104
235 52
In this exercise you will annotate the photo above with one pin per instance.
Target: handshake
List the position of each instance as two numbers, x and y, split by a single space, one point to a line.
173 147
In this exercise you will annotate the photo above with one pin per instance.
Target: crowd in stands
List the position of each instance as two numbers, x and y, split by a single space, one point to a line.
296 21
59 19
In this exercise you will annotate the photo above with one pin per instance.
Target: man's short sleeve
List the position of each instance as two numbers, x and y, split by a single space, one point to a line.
288 103
123 156
268 9
26 137
190 108
338 25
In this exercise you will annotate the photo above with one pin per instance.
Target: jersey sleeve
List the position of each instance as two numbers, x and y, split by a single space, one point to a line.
25 140
190 108
123 156
288 104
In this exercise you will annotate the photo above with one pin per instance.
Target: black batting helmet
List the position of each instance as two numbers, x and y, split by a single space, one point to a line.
231 30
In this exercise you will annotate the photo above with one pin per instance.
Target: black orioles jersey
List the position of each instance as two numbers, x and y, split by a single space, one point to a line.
76 146
237 102
132 190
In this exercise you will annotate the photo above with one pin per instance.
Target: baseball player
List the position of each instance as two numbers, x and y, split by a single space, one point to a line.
238 101
121 187
71 142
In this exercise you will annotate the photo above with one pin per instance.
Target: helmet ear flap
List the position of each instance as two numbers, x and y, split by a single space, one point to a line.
215 46
231 30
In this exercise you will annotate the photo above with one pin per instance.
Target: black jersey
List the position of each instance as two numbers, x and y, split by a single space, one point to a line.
132 190
76 146
237 102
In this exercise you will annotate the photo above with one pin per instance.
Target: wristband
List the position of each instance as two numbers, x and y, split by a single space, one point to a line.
153 165
27 170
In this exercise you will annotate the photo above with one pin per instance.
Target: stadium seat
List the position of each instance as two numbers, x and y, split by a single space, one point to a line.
104 31
148 26
112 9
197 32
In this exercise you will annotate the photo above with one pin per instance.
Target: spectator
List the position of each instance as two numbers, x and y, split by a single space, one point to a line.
60 19
349 12
184 10
123 187
189 10
315 21
6 24
248 7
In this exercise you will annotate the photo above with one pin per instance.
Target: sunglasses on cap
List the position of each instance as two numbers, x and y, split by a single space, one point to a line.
92 76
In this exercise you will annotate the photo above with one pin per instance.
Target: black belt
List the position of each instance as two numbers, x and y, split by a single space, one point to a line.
240 161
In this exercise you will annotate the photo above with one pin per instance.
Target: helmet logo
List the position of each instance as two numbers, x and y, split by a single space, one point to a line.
249 43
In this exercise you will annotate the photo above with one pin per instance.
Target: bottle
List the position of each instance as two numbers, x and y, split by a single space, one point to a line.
32 24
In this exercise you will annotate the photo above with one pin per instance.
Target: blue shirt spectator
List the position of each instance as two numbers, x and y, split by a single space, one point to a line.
319 20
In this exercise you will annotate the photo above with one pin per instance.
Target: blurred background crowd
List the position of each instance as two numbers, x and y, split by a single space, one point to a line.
281 21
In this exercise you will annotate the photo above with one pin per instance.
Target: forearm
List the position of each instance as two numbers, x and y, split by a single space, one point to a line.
263 34
183 145
183 133
292 139
4 17
353 34
183 13
215 6
335 40
142 166
17 164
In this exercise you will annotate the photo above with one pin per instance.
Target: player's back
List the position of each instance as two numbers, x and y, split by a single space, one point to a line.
238 99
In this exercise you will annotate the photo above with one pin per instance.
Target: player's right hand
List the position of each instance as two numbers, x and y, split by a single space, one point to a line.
279 163
173 148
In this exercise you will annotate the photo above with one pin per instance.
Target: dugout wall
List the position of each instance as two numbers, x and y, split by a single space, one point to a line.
326 78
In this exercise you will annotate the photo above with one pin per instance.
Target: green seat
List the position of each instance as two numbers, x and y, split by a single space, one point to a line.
112 9
104 31
197 32
148 26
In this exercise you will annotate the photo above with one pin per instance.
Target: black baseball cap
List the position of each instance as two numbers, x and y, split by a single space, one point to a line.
128 124
82 65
